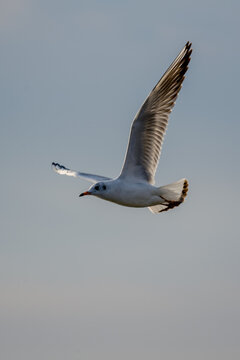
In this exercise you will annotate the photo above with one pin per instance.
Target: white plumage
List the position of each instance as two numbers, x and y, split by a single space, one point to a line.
134 186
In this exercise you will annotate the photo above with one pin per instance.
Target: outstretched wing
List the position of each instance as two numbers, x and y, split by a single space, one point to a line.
62 170
150 123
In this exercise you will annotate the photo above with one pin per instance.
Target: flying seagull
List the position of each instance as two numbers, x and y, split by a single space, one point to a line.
134 187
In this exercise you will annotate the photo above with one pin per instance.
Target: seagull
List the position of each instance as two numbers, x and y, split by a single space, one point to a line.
134 187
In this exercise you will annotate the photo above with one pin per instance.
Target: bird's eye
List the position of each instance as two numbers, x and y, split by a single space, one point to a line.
104 187
97 187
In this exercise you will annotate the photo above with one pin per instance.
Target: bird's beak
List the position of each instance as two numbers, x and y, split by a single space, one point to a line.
85 193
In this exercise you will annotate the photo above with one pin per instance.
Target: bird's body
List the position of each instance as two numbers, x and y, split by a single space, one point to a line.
130 194
135 185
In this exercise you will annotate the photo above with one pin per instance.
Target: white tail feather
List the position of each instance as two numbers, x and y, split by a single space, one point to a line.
172 195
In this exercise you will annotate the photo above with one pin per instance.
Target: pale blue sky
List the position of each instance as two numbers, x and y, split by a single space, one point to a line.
83 279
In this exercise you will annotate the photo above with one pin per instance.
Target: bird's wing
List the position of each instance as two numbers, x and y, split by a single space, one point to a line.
150 123
62 170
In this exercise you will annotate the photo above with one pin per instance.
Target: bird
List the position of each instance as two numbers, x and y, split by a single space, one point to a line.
134 187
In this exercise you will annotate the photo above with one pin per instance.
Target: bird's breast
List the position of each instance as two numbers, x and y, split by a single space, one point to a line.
132 195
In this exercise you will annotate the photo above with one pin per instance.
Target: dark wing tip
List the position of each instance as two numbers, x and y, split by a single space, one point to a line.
57 166
54 166
181 62
188 50
186 59
188 46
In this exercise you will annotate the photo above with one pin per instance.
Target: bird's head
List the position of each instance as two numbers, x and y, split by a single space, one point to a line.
99 189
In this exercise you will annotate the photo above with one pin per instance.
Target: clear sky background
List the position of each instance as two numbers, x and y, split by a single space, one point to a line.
83 279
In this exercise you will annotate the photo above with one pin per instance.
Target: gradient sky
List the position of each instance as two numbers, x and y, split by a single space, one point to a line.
83 279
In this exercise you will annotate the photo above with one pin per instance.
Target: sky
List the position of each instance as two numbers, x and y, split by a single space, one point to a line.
84 279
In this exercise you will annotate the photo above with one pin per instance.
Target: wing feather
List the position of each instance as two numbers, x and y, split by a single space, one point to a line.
150 123
62 170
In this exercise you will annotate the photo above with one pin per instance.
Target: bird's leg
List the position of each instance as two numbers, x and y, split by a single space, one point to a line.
171 203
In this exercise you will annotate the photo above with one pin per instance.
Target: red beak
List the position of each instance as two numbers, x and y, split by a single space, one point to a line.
85 193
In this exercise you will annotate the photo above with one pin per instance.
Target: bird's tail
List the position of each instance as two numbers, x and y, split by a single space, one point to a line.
172 195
